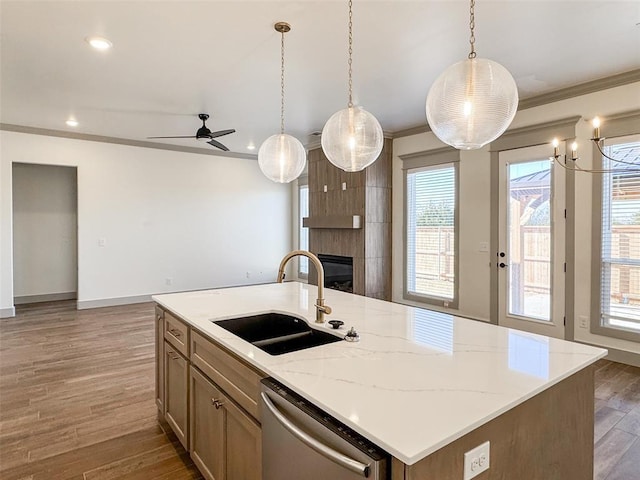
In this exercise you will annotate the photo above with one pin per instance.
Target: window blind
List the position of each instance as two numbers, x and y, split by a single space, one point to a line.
303 233
620 259
431 235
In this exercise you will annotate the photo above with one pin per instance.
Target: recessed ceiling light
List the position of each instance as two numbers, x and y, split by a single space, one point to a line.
251 146
72 123
99 43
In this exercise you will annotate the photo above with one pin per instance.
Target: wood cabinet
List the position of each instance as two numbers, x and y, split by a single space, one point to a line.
159 329
225 441
176 392
244 445
234 376
207 427
176 333
210 399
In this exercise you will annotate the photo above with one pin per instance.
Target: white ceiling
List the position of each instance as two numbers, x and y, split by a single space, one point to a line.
173 60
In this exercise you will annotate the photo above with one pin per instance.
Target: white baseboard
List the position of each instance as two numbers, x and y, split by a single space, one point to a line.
622 356
7 312
46 297
112 302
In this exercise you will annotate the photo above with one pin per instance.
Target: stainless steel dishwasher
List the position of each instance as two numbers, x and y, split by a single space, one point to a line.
300 441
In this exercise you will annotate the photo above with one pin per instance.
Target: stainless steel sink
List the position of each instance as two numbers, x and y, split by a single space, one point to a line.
276 333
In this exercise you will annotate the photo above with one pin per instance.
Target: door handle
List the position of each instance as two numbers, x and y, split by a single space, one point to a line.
503 265
324 450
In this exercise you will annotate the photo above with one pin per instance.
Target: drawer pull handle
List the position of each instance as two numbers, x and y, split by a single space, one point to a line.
174 356
217 403
174 332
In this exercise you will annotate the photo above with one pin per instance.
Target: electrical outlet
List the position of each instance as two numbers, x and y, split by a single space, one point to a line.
483 247
344 185
168 281
476 461
583 321
102 242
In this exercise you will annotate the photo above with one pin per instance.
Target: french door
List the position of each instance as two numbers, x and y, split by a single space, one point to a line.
530 261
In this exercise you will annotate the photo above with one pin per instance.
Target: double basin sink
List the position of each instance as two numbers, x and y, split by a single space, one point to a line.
277 333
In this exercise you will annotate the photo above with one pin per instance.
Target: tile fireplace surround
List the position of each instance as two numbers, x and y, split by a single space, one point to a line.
366 194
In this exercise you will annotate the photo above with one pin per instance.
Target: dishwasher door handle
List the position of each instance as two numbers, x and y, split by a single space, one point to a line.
324 450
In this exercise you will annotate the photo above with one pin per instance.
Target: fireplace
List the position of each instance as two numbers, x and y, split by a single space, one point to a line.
338 272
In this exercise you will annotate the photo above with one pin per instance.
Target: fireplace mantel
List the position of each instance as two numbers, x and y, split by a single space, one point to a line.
353 222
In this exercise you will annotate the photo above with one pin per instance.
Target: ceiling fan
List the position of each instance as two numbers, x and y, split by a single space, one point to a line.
205 135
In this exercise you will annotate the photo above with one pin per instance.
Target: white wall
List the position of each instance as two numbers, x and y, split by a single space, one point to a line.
202 221
6 261
475 296
44 230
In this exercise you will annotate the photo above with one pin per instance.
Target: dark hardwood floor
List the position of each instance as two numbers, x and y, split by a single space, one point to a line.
77 397
77 401
617 422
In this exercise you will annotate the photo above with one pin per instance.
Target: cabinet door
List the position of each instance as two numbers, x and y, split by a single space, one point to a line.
176 389
207 427
244 445
159 359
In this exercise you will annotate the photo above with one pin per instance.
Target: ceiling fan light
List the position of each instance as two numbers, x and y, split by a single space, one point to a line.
282 158
352 139
472 103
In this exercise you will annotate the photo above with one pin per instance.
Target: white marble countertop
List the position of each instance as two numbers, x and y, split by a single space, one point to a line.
415 382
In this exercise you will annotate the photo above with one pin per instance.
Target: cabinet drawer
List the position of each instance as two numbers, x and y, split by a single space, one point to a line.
176 333
236 378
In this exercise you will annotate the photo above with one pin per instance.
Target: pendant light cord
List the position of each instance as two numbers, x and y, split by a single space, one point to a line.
350 104
472 27
282 82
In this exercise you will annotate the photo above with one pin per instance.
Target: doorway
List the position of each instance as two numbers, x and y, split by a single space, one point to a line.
531 264
45 246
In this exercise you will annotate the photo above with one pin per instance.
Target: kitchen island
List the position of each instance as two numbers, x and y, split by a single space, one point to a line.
424 386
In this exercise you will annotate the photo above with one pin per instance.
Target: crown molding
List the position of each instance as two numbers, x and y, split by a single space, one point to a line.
122 141
592 86
585 88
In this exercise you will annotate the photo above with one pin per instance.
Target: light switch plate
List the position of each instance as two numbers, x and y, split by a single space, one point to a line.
476 461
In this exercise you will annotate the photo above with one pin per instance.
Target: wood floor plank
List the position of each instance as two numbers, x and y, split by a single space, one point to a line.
609 450
606 419
77 394
631 423
627 467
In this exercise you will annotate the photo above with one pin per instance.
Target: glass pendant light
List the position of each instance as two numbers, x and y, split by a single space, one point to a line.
473 101
281 157
352 138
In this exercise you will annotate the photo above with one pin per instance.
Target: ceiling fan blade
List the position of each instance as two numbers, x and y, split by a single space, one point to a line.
218 145
188 136
220 133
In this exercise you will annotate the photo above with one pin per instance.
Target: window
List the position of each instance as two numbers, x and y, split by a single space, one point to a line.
303 232
431 234
620 236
